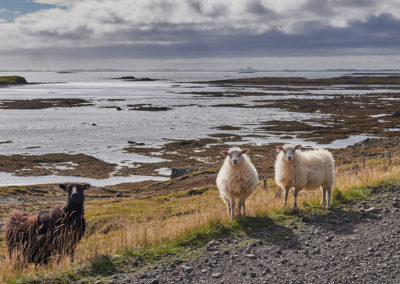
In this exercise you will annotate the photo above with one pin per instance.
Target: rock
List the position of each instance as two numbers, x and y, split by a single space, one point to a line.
305 219
216 275
114 277
372 210
178 172
188 269
396 204
250 255
212 243
119 108
329 239
135 143
154 281
253 275
118 194
396 114
135 263
125 78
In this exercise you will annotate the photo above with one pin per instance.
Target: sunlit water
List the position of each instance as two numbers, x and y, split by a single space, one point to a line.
104 132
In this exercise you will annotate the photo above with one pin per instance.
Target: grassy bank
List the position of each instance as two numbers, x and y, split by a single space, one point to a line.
163 227
12 80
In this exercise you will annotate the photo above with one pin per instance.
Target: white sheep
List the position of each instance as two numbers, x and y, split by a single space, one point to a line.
304 170
237 178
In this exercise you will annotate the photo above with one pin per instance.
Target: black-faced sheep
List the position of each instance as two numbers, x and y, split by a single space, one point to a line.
39 237
237 178
307 170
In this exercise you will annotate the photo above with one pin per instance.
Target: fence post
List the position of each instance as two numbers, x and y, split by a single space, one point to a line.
363 162
265 184
390 159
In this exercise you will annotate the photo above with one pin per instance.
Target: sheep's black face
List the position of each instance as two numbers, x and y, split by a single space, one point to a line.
75 192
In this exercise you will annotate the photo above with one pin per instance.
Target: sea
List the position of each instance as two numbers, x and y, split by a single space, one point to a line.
102 131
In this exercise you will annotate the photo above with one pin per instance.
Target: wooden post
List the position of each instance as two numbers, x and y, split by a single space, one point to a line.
265 184
390 159
363 162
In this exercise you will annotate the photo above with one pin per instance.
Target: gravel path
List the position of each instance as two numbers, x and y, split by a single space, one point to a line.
358 243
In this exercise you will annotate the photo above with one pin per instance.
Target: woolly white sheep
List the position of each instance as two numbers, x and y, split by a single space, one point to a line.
304 170
237 178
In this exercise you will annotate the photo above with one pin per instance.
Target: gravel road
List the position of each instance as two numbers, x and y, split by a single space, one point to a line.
356 243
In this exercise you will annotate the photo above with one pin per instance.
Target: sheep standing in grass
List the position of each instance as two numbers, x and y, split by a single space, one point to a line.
37 237
237 178
304 170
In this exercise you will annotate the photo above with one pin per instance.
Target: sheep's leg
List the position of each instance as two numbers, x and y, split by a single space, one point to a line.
232 209
240 207
295 193
72 255
228 207
285 197
323 200
329 192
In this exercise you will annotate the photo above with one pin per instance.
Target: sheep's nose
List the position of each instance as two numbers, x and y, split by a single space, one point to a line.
289 159
235 161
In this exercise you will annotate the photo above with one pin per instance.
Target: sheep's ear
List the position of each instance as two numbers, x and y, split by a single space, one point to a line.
86 186
63 186
297 147
245 151
224 153
279 148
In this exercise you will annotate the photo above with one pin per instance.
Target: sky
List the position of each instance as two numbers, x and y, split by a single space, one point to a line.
199 34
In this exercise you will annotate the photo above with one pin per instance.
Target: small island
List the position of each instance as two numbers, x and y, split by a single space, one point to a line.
132 78
12 80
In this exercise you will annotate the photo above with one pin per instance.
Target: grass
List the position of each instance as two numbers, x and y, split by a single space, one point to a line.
164 226
6 80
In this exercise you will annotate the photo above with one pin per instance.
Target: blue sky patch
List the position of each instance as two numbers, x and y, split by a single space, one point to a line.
9 9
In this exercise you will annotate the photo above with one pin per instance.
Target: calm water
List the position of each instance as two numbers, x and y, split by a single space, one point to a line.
72 130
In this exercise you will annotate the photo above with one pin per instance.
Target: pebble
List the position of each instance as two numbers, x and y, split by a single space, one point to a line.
216 275
329 239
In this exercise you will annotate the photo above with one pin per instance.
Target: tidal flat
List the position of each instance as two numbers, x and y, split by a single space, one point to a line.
114 131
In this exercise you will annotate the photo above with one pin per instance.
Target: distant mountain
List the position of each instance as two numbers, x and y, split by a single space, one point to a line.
247 70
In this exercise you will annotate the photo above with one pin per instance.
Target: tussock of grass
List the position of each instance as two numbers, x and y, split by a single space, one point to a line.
165 225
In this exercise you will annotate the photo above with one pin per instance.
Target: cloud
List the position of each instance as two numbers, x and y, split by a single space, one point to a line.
207 27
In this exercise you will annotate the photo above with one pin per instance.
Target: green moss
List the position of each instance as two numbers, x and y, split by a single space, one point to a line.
8 80
102 265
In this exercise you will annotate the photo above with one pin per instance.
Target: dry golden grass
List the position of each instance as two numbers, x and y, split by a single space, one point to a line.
116 225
